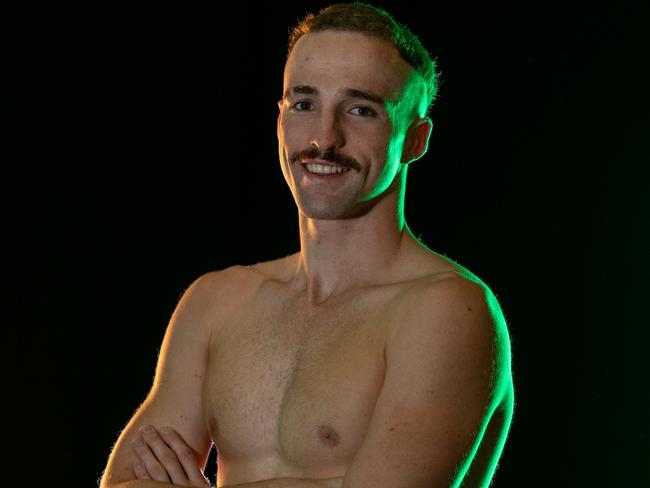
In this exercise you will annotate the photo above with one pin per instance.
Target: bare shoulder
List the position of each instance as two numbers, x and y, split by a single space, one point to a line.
217 295
227 285
447 286
457 307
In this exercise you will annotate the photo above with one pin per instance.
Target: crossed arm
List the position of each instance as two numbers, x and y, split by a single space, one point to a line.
164 459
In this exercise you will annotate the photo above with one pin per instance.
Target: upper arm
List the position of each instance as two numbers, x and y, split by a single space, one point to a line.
175 398
447 370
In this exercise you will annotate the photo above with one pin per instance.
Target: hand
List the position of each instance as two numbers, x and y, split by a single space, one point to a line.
165 456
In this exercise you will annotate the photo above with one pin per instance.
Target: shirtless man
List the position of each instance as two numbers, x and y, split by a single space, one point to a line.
364 360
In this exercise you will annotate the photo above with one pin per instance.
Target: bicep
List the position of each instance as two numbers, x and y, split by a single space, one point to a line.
438 394
175 398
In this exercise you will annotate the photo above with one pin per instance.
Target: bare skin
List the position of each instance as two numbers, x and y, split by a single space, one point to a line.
281 364
316 371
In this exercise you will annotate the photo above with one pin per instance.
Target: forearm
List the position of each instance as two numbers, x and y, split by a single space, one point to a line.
272 483
290 483
143 484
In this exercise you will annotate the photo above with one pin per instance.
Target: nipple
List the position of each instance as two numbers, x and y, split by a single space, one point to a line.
328 436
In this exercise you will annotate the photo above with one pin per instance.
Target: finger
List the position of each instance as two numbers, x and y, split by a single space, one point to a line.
155 470
140 471
137 465
185 455
164 455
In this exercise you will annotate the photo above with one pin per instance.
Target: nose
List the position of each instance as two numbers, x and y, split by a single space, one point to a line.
328 133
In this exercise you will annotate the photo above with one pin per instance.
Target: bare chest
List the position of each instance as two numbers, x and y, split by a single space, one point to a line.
289 391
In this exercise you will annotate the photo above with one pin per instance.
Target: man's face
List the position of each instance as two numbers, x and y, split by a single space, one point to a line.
342 104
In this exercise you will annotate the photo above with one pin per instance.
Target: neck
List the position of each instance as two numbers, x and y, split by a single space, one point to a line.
337 256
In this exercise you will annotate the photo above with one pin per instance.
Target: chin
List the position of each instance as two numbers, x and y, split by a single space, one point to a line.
333 213
327 214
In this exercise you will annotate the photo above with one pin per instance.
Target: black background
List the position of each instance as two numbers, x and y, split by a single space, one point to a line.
140 152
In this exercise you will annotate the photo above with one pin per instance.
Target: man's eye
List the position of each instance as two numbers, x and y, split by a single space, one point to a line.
301 106
365 111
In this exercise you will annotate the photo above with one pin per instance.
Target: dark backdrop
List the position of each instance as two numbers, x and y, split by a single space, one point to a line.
140 152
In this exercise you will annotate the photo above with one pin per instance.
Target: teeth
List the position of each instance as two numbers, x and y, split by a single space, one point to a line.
325 170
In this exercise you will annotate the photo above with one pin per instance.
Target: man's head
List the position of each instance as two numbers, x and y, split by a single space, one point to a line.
376 22
357 89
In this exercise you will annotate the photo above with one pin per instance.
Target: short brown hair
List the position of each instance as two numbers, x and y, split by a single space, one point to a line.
373 21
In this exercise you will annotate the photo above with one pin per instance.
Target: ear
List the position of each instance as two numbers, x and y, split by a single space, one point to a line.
279 113
416 141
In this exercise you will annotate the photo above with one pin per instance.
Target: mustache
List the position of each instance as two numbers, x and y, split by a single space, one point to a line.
333 157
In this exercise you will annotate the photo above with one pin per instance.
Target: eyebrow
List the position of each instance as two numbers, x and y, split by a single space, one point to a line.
349 92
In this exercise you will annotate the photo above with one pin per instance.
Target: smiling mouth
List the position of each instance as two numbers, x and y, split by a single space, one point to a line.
320 169
323 168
